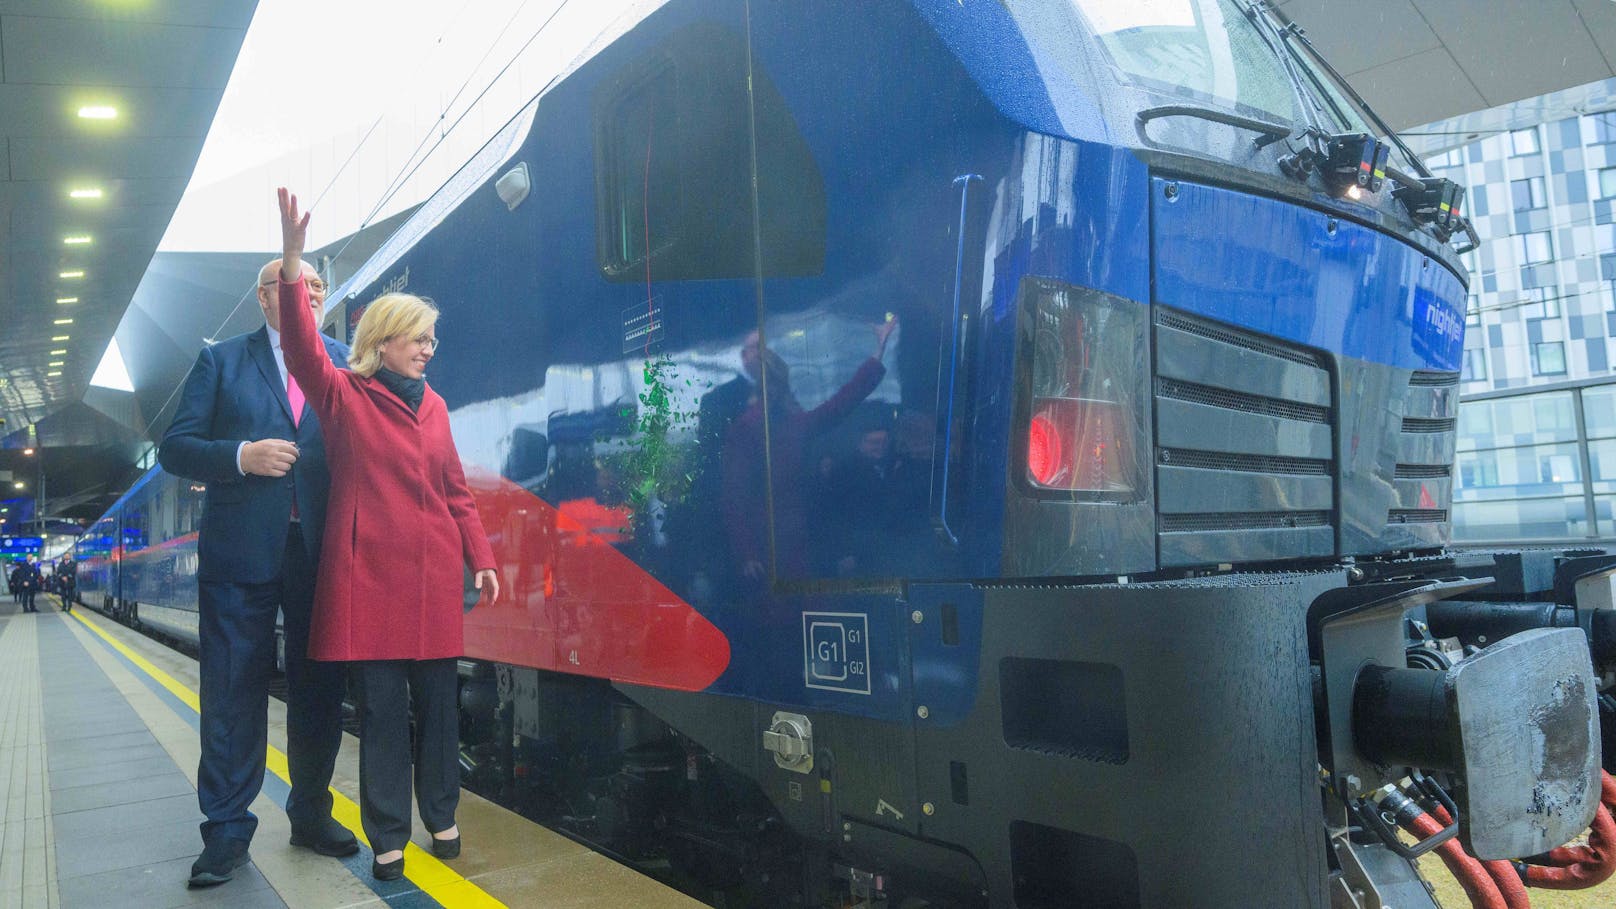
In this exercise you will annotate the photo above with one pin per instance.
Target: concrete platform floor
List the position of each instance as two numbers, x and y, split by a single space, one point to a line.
98 756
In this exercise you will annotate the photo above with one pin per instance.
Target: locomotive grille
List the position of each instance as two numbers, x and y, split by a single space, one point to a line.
1233 400
1212 460
1423 471
1422 480
1245 520
1234 337
1424 379
1419 424
1418 515
1245 426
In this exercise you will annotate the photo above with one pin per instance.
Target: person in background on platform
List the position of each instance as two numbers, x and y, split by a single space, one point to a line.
14 581
390 597
30 584
242 427
67 578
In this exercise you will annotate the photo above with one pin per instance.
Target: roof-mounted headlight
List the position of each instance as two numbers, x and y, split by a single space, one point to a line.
1435 201
1355 164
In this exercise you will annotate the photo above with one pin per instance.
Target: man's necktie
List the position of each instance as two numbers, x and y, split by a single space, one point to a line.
294 396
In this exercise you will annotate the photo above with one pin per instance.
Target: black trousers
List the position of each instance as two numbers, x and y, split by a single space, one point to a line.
28 600
237 631
391 691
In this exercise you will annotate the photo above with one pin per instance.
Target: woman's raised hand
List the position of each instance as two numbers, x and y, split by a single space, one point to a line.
884 331
294 231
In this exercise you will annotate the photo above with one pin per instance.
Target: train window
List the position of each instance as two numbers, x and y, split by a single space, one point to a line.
644 196
674 157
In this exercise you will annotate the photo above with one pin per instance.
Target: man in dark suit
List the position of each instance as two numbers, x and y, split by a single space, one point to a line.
247 433
32 580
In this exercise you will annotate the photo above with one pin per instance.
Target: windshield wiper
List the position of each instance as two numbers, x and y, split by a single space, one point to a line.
1286 30
1266 30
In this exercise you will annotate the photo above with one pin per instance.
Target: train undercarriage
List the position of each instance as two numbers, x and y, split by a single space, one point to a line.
1131 745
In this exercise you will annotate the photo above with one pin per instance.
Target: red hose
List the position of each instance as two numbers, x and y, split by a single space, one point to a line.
1472 876
1503 873
1580 867
1571 855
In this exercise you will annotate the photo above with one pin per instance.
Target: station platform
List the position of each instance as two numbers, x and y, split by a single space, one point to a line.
98 756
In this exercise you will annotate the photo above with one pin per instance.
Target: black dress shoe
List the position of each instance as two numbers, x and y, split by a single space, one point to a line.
446 849
328 838
391 871
218 862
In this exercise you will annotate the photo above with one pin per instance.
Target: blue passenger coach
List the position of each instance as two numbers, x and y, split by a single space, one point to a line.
137 563
1104 587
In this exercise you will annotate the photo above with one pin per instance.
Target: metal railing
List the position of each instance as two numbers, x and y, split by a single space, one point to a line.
1537 464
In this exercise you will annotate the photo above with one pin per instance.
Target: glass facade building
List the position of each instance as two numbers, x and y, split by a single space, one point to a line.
1541 198
1537 465
1537 427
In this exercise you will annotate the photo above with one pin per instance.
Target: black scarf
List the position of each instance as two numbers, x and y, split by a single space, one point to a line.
409 390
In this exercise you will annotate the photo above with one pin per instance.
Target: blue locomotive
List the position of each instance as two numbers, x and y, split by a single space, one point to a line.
979 453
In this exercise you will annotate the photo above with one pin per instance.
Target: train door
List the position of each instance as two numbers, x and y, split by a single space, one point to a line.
865 177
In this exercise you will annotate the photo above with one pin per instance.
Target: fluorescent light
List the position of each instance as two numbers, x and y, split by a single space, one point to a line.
67 299
77 240
58 353
60 338
55 363
53 374
62 322
86 192
71 274
98 112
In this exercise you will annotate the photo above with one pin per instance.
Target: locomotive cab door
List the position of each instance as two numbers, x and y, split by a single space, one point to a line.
844 473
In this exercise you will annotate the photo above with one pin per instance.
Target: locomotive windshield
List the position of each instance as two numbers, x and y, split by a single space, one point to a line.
1203 50
1234 55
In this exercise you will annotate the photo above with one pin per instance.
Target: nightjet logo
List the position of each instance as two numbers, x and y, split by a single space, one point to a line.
1443 321
1438 330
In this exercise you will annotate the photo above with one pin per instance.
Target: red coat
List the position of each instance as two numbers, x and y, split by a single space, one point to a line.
400 522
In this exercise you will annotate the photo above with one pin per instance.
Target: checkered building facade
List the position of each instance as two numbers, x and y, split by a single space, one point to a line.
1543 200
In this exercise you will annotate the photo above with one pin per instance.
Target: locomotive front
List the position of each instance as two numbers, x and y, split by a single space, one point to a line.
1230 313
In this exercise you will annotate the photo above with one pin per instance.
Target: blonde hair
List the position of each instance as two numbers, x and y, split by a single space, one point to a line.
387 317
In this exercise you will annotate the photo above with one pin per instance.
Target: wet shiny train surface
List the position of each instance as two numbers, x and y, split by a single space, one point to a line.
967 452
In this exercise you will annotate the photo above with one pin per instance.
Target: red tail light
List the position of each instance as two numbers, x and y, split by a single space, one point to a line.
1045 458
1079 444
1085 419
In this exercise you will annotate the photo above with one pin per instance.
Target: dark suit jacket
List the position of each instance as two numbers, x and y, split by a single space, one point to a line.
235 394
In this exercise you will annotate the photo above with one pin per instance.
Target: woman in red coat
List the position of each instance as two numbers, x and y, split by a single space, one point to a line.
399 525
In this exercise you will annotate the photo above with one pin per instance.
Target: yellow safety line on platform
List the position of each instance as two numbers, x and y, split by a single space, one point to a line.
435 879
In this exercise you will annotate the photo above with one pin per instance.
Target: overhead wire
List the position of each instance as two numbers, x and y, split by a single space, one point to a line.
436 123
400 183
